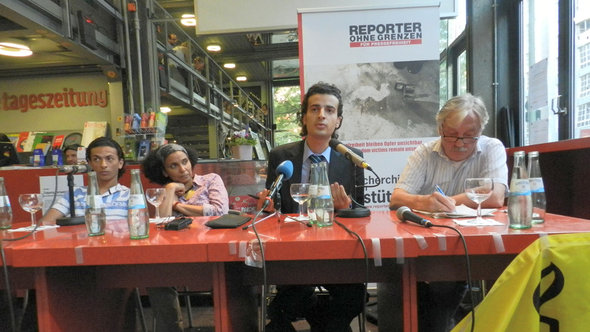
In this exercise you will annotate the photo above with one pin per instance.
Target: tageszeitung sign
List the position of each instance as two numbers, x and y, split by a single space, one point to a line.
68 97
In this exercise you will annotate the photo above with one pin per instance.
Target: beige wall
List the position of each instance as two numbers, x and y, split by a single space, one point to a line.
62 119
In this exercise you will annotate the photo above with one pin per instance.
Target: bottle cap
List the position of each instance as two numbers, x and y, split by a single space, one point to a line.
534 154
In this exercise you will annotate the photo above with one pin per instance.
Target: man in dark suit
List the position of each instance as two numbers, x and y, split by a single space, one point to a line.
321 116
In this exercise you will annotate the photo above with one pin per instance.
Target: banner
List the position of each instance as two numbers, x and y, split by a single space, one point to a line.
386 63
545 288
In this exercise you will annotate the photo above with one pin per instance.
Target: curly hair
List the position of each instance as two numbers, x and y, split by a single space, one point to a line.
321 88
153 164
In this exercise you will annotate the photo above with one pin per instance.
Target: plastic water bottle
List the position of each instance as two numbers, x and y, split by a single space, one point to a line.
94 216
537 188
137 211
313 193
324 207
5 209
520 204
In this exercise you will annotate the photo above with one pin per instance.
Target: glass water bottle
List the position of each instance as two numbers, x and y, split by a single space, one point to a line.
537 188
5 209
520 205
137 211
94 216
324 207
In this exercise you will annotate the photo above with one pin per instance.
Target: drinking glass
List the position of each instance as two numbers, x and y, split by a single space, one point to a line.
478 190
155 196
31 203
300 194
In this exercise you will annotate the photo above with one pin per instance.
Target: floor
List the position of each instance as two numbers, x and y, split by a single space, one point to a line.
202 315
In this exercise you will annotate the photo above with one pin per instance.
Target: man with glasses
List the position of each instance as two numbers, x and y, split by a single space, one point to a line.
433 181
461 152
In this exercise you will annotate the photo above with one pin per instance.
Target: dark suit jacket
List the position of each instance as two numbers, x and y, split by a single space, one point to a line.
340 170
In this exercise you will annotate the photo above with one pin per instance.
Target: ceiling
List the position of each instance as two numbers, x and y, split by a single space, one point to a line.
250 52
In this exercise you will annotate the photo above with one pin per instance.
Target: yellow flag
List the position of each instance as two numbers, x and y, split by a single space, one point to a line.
545 288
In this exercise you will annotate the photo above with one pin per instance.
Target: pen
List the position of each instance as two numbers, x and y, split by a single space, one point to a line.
440 191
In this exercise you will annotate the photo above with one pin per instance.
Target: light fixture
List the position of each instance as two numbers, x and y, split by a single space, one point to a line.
188 20
241 78
13 47
213 48
229 65
165 109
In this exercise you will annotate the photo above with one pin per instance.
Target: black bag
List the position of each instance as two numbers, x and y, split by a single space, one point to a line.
228 221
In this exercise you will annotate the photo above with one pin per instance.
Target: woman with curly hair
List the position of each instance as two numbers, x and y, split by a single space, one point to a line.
187 193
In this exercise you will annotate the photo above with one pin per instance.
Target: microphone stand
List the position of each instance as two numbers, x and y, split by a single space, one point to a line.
357 211
72 220
277 204
277 212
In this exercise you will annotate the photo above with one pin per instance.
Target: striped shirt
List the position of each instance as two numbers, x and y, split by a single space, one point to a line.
428 166
115 202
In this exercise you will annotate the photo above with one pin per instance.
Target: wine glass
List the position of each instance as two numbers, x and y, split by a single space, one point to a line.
300 194
31 203
478 190
155 196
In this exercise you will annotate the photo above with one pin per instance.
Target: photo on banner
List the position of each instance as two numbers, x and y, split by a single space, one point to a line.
386 63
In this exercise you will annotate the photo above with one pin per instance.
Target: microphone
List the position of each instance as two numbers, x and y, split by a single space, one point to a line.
405 214
74 169
349 154
284 171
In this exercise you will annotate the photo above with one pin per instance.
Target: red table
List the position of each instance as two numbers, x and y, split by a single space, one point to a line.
68 268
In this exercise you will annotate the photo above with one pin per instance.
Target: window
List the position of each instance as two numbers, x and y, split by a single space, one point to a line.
583 117
585 85
453 55
585 56
581 69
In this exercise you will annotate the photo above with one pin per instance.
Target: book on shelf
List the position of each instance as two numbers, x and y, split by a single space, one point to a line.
92 131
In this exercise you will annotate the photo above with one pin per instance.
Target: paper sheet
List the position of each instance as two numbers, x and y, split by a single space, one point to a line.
461 211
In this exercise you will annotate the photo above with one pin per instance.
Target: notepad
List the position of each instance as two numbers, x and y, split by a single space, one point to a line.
461 211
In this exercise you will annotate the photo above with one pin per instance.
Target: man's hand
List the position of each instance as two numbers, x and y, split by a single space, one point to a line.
262 198
440 203
341 199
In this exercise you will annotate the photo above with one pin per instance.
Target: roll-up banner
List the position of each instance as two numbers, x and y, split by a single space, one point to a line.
385 60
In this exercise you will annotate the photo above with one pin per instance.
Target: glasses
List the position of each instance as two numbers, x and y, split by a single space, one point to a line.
454 139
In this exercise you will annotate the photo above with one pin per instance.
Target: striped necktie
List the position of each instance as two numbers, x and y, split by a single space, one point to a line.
316 158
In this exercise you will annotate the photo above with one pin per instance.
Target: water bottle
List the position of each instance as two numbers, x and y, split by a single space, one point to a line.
5 209
537 188
324 207
94 216
137 211
520 204
313 193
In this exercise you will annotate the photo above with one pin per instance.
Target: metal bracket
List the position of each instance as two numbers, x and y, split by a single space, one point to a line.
555 108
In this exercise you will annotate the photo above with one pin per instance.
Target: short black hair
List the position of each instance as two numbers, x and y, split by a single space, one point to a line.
74 147
153 164
106 141
321 88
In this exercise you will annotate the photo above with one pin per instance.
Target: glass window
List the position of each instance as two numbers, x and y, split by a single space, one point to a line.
453 58
582 69
286 107
462 73
540 79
